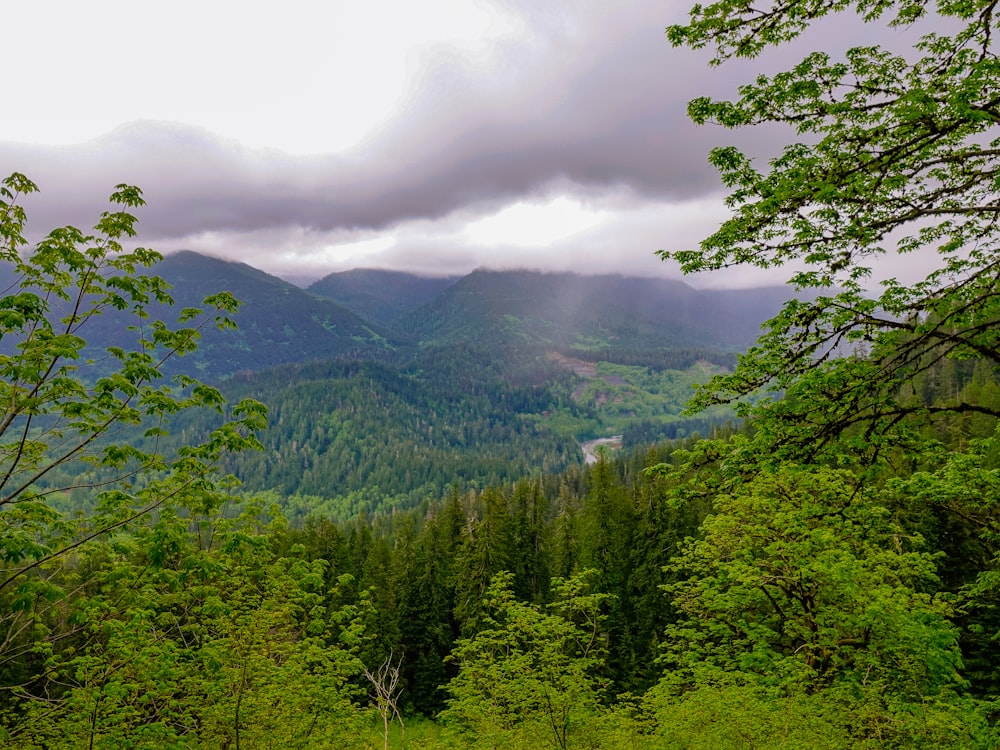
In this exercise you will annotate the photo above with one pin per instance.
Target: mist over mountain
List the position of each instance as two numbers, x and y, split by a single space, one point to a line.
395 386
278 323
368 313
591 313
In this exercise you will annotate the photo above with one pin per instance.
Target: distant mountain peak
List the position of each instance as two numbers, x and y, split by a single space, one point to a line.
589 312
378 295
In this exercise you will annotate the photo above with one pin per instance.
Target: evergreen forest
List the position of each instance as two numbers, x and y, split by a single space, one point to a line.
393 541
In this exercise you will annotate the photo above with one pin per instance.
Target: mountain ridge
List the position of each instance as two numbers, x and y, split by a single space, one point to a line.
277 322
379 295
590 312
390 315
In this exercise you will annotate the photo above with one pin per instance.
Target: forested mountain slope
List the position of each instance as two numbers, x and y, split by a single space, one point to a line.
277 322
654 322
578 313
380 296
365 436
363 418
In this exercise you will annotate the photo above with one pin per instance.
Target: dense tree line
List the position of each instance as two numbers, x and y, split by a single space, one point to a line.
647 432
626 601
344 428
823 576
662 359
365 436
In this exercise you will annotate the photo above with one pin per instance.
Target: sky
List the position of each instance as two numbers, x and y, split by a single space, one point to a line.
315 136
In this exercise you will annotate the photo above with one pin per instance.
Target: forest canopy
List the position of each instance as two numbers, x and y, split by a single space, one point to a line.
896 156
824 575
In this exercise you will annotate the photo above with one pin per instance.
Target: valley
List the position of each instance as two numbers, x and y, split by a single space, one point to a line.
460 382
505 509
458 508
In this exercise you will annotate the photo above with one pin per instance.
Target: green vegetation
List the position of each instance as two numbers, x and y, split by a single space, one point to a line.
366 436
623 393
383 297
590 316
464 412
528 674
371 436
826 574
278 324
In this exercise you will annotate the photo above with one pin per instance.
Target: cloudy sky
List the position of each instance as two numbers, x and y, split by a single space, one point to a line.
315 136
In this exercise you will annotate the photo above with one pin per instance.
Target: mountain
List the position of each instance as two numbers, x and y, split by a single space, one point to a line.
590 313
278 323
371 314
482 380
748 309
380 296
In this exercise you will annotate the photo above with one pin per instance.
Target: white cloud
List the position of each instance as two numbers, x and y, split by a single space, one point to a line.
536 225
453 134
302 76
354 253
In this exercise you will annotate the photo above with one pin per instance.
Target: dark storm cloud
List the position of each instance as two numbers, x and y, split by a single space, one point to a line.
592 100
589 101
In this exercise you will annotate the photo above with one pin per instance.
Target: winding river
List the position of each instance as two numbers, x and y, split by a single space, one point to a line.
590 447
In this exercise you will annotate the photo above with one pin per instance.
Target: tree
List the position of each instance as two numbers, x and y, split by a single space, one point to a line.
803 592
529 674
800 579
425 577
385 681
229 645
896 161
72 419
953 503
898 156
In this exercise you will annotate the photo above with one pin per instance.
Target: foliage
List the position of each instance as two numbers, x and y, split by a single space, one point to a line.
67 421
740 716
528 673
830 590
897 157
143 618
350 437
228 645
799 581
824 575
619 395
955 503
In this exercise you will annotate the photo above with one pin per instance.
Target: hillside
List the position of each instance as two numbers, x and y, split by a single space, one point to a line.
367 436
380 296
595 314
356 436
382 315
278 323
500 375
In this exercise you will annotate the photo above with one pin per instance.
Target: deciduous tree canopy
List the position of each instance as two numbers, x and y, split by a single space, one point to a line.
897 156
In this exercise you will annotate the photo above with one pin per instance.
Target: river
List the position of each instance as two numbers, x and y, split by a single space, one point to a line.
590 447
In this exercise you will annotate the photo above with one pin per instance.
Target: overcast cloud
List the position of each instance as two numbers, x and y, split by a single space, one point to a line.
567 130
